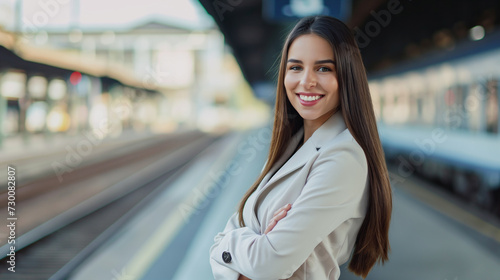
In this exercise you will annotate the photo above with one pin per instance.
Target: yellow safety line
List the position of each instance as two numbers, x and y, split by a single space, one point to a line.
162 237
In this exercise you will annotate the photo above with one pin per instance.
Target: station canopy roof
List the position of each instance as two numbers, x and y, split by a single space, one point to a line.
395 30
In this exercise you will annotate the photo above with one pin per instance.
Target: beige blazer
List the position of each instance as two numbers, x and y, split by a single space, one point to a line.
326 181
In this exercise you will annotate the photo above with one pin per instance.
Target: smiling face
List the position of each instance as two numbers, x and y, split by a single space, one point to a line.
311 79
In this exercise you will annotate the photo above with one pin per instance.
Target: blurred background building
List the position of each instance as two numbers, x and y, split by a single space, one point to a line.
148 73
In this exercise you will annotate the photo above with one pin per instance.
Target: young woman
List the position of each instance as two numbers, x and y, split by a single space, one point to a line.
324 192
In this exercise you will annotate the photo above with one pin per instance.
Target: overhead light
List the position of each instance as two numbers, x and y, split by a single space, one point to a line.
476 33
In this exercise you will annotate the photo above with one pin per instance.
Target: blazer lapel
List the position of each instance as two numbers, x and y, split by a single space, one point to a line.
324 134
294 162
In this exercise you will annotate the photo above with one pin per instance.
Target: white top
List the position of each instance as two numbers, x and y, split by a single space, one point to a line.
326 181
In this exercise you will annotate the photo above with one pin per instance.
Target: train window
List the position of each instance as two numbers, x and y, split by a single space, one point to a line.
492 106
460 94
413 109
429 107
474 104
420 104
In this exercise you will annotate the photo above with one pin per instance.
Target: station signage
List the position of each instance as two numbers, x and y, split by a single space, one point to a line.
288 10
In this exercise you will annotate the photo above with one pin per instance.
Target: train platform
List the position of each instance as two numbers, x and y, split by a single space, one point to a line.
432 235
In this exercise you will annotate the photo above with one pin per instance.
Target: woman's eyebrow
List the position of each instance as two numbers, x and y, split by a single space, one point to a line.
325 61
291 60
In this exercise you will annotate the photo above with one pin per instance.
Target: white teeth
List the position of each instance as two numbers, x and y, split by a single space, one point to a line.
309 98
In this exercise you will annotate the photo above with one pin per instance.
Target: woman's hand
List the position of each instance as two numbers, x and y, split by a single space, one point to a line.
278 215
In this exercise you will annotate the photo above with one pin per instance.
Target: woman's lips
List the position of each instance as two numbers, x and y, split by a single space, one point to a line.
309 99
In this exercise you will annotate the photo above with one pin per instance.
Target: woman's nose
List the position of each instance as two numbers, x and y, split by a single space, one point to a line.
308 79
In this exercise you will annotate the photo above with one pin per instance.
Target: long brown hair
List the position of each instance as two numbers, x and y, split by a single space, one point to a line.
372 242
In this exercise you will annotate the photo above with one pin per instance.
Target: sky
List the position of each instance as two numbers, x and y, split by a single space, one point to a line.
61 14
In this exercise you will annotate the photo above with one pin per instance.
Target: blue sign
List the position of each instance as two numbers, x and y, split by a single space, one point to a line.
286 10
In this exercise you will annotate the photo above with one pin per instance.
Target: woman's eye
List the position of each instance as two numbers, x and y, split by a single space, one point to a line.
324 69
295 68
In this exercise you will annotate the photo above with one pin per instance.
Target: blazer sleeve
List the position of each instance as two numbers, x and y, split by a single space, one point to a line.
332 194
218 270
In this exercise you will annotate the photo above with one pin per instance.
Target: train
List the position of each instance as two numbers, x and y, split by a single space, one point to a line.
438 117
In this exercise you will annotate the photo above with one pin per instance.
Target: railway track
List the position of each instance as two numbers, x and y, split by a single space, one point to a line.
53 247
97 165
